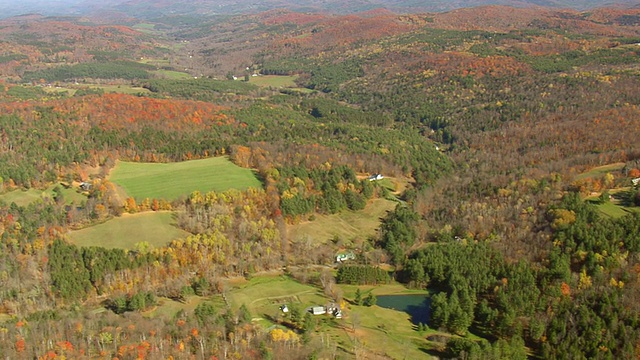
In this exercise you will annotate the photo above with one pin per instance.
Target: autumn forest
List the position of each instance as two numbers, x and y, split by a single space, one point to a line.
198 186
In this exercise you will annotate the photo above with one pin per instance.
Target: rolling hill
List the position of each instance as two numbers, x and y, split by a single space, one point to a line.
149 9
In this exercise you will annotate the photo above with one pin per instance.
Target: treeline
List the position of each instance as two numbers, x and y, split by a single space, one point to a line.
156 130
136 302
362 275
234 234
328 110
326 190
77 272
329 78
127 70
584 288
198 89
208 330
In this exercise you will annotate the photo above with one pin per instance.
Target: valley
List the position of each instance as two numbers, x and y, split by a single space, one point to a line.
247 182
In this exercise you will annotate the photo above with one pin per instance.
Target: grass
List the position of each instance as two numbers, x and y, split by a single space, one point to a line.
146 28
385 331
59 89
348 225
168 308
274 81
600 171
613 210
26 197
172 75
122 89
156 228
381 331
173 180
264 295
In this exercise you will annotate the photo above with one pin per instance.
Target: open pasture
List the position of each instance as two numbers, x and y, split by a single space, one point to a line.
156 228
173 180
265 294
172 75
276 81
25 197
347 225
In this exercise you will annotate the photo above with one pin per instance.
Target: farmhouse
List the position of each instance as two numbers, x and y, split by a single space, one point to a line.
318 310
337 313
375 177
345 256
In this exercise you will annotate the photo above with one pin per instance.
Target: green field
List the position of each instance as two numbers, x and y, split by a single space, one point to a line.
172 180
386 331
172 75
168 308
145 28
156 228
383 331
26 197
613 208
265 294
274 81
351 226
122 89
600 171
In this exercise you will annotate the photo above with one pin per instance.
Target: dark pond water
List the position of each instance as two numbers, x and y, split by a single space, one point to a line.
418 306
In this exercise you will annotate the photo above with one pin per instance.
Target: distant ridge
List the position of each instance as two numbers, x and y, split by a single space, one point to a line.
148 9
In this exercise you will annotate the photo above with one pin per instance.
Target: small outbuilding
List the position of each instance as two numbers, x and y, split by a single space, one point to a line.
345 256
318 310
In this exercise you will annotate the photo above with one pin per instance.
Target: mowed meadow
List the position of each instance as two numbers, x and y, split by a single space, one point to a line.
172 180
167 181
154 228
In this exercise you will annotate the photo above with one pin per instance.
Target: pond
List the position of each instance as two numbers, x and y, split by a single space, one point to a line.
418 306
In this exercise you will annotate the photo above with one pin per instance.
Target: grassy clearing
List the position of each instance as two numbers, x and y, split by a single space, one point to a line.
377 331
172 180
600 171
146 28
168 308
172 75
274 81
381 331
58 90
386 332
26 197
156 228
122 89
263 295
351 226
21 197
616 207
613 210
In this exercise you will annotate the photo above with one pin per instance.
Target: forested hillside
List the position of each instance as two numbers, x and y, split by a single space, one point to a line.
146 9
504 140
